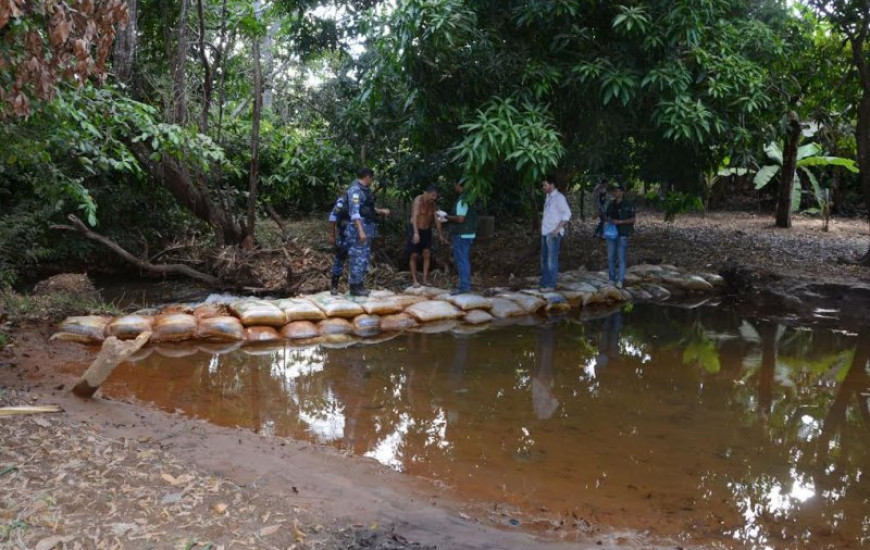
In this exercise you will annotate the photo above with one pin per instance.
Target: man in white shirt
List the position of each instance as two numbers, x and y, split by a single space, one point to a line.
557 214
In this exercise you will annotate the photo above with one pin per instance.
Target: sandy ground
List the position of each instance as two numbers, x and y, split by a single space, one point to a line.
107 474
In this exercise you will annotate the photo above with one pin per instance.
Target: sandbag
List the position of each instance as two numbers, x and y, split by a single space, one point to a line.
658 293
435 327
433 310
366 324
405 300
336 306
205 311
383 305
300 309
529 303
468 301
696 283
300 329
128 327
713 278
336 325
425 291
639 294
477 317
172 327
503 308
398 321
646 272
261 334
177 308
178 350
224 328
258 312
85 329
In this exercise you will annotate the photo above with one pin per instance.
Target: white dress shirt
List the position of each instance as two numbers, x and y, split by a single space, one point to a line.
556 210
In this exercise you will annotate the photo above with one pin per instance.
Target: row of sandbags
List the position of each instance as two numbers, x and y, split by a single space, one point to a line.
308 317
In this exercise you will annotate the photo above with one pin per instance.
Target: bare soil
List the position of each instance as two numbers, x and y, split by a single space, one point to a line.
108 474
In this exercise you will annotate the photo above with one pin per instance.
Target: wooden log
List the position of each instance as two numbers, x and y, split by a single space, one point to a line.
113 353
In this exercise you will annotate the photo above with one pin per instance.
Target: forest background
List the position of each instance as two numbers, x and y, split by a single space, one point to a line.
157 127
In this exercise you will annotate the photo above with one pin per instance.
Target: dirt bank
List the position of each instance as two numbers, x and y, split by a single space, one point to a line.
106 474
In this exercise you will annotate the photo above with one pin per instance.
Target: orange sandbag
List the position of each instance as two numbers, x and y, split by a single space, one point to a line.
399 321
204 311
86 329
173 327
225 328
366 324
128 327
335 326
262 334
300 329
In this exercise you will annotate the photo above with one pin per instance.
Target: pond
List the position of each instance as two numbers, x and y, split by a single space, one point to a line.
699 424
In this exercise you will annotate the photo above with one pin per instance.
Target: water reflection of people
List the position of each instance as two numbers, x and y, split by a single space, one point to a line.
544 399
608 343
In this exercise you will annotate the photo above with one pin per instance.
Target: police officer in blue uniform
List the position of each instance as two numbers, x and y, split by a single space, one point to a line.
361 230
339 218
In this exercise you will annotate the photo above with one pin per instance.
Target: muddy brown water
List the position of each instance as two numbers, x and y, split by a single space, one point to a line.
696 424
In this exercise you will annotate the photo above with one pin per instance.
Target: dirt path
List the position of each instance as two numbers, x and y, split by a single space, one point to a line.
108 474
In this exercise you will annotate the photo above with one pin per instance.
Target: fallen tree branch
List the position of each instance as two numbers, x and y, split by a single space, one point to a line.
181 269
113 353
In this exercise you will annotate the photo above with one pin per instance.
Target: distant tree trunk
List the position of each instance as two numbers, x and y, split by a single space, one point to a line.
125 46
207 73
255 144
179 70
862 129
789 165
269 74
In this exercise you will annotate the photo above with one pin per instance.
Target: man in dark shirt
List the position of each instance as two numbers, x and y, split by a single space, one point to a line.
620 212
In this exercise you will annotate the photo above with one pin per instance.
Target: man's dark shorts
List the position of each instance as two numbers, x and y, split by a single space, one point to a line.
424 244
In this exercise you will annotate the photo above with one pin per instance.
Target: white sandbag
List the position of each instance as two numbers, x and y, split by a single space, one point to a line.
503 308
128 327
226 328
336 306
436 327
529 303
397 322
433 310
468 301
425 291
477 317
573 297
713 278
697 283
300 309
85 329
579 286
658 293
405 300
173 327
300 329
639 294
383 305
366 324
258 312
335 325
262 334
645 271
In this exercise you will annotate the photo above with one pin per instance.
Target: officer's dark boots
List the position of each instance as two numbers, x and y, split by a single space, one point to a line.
334 286
358 290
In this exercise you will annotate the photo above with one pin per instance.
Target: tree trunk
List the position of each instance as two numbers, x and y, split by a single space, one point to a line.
125 46
789 165
207 73
255 145
179 70
178 181
862 129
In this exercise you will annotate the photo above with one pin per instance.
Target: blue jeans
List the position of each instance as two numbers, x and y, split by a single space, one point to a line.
461 251
616 252
550 260
358 253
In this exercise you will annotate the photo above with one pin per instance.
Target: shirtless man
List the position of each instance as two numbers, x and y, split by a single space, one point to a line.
420 232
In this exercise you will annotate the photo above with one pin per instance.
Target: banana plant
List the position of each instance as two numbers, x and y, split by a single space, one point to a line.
808 156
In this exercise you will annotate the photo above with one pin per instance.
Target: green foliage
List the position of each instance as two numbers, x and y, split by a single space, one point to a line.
524 137
675 202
